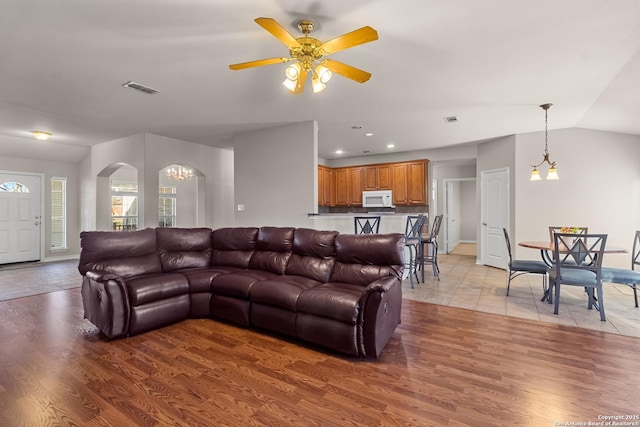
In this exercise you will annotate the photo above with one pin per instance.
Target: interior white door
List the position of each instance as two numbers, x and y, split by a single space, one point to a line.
495 216
20 217
453 214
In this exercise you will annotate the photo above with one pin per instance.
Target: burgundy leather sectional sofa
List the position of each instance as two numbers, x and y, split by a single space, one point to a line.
339 291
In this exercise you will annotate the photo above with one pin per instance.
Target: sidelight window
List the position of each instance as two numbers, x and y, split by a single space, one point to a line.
58 213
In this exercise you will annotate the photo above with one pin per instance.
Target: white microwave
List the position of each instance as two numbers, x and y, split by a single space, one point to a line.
377 199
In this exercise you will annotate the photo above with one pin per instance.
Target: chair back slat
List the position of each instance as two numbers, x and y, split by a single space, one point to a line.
508 242
367 224
635 254
579 252
414 226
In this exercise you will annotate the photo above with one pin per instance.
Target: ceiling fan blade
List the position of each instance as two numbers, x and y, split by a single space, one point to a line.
258 63
301 81
278 31
347 71
354 38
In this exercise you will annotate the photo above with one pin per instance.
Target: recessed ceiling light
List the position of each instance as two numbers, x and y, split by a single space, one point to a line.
140 88
339 151
450 119
391 145
368 134
41 135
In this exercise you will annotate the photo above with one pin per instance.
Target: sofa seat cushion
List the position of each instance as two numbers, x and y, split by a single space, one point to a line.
283 291
154 287
333 300
200 278
239 283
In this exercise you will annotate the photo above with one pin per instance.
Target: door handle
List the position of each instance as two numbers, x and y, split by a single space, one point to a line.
484 223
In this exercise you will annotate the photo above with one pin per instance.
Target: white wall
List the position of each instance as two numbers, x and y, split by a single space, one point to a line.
149 154
599 187
276 175
468 202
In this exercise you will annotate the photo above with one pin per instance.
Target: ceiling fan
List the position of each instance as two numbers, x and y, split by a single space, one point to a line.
305 52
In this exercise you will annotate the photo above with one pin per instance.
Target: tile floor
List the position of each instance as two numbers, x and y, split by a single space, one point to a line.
466 284
21 280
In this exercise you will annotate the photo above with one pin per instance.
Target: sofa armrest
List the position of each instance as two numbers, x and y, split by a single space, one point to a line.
103 276
384 284
106 302
380 304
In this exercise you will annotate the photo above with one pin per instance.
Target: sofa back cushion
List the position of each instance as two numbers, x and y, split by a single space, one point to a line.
313 254
273 249
364 258
125 253
233 247
184 247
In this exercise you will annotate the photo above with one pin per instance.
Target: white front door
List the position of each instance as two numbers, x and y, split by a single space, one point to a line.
495 216
20 217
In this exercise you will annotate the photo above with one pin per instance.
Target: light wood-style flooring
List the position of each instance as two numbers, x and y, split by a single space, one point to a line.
444 366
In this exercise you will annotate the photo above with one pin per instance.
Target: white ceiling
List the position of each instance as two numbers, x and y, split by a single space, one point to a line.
490 63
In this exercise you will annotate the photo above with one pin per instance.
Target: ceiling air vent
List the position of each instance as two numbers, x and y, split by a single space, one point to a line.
141 88
450 119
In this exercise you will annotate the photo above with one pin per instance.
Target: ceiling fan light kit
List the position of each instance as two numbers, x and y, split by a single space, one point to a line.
306 52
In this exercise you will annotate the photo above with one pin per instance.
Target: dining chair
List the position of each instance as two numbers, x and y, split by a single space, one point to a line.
367 224
413 242
623 276
518 267
429 248
578 262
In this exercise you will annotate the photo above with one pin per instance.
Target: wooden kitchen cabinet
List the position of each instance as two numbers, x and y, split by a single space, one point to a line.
344 186
376 177
326 186
409 183
399 184
349 186
370 178
384 177
417 182
355 186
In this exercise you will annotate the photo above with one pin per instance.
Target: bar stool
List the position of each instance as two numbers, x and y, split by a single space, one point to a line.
430 255
367 224
413 242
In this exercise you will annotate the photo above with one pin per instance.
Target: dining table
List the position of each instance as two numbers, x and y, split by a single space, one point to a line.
546 251
545 247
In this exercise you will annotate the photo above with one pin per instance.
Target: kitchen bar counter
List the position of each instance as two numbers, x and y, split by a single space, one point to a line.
390 222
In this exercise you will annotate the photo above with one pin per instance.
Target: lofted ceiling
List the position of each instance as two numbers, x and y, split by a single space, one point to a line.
490 63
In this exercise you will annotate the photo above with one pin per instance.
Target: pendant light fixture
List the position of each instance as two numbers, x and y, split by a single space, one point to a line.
553 172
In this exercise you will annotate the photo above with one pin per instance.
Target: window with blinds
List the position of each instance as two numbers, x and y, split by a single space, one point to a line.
58 213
